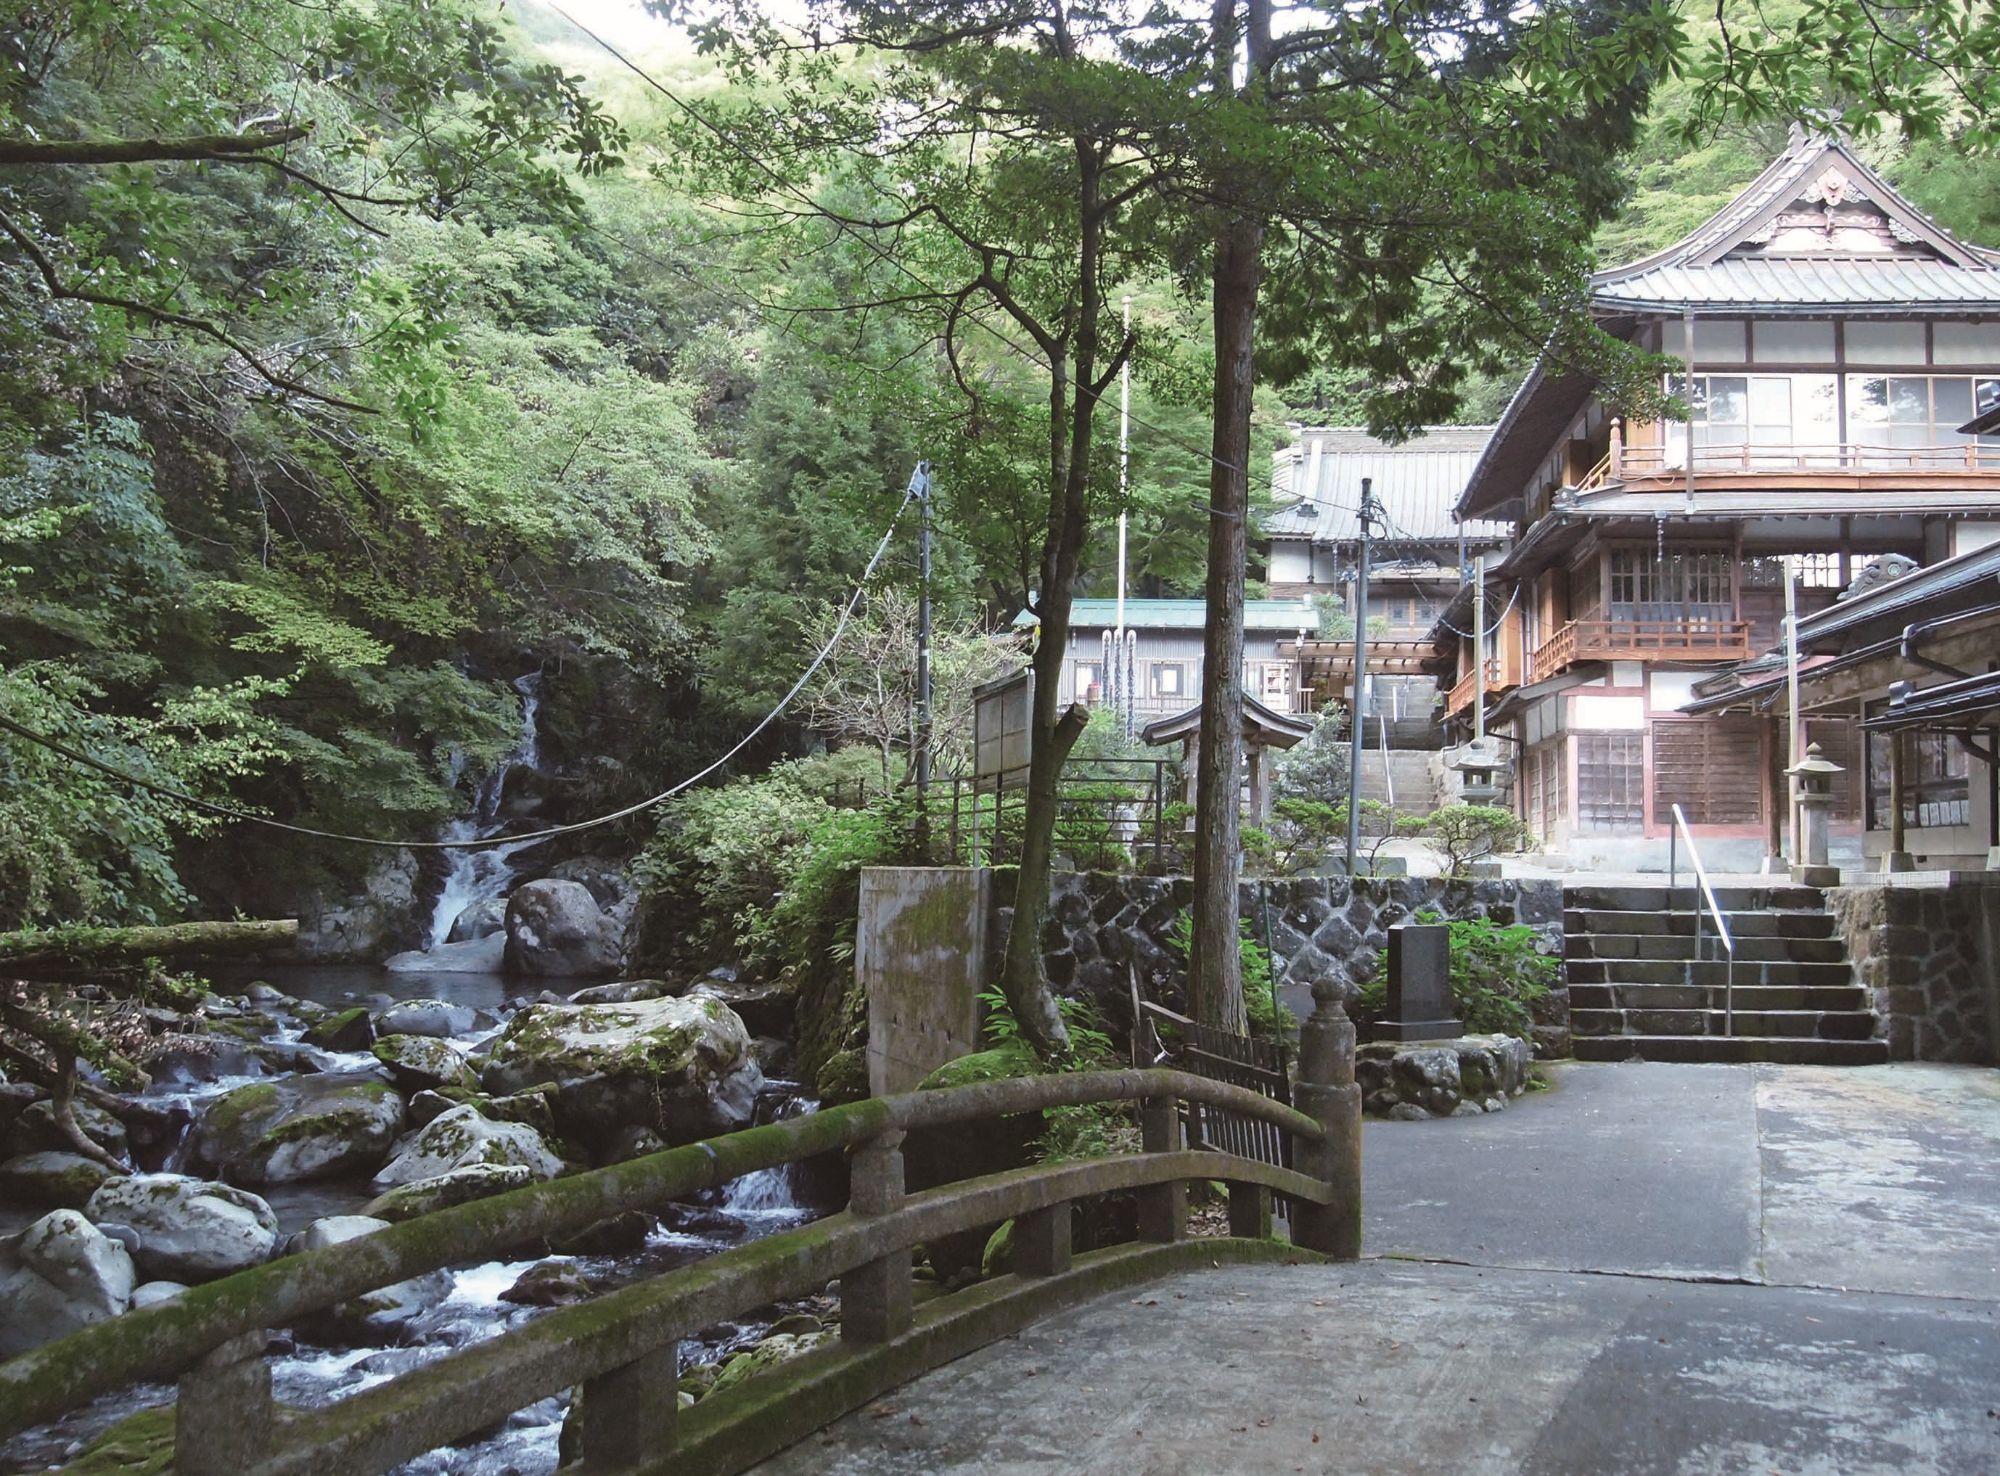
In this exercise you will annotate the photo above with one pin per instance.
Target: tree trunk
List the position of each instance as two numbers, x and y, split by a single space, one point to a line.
78 950
1072 417
1215 972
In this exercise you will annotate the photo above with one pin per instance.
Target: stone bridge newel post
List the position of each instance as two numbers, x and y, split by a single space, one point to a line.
1162 1207
225 1420
876 1302
1325 1091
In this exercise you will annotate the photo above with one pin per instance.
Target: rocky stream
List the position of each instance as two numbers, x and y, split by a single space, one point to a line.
300 1106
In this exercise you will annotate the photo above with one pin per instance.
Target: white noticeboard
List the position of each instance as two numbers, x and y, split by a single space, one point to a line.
1002 716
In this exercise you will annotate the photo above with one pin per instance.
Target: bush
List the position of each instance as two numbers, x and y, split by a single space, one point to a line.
1267 1016
1498 976
1462 834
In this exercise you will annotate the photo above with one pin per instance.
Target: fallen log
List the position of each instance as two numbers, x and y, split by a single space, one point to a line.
37 951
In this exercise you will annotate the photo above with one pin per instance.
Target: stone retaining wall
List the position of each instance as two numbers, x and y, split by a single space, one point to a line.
1930 960
1320 928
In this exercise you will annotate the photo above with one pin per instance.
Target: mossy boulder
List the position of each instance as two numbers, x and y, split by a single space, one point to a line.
350 1030
141 1444
464 1138
59 1180
769 1353
60 1274
35 1131
681 1066
423 1062
460 1186
300 1128
435 1018
936 1156
189 1230
555 928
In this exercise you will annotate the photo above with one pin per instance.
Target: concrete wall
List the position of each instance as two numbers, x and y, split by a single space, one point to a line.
920 957
1930 958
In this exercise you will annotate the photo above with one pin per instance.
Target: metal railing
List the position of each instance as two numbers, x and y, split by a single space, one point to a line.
619 1351
1110 815
1674 837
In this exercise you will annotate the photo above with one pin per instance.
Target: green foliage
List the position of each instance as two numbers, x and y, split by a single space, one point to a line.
1268 1017
1088 1130
1462 834
1498 976
1316 768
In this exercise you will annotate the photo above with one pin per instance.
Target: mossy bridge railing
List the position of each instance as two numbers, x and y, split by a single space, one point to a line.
618 1352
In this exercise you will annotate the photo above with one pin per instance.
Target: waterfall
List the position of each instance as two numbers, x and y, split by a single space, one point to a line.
482 876
770 1190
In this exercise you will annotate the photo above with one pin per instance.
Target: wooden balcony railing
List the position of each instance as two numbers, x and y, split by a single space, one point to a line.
1662 461
1460 697
1641 640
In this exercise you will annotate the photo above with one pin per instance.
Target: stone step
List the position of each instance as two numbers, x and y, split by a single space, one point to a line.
1714 972
1816 1024
1782 1050
1850 997
1682 924
1778 897
1684 946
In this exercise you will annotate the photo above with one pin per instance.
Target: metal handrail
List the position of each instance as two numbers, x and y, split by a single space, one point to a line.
1715 911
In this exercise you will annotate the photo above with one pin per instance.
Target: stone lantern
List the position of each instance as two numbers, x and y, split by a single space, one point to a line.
1812 788
1477 762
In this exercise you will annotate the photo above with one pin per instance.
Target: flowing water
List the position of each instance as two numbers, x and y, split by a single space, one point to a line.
486 875
304 1373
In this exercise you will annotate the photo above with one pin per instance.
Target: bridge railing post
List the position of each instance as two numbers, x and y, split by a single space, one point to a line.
1162 1207
627 1416
225 1420
1325 1091
1042 1241
875 1299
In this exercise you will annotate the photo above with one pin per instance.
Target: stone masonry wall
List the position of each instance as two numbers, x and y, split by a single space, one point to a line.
1320 928
1930 960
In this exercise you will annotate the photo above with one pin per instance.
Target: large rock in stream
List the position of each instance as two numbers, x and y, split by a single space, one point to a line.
681 1066
59 1274
300 1127
554 928
188 1230
464 1138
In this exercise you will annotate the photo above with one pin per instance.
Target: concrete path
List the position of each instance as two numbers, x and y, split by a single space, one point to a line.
1696 1270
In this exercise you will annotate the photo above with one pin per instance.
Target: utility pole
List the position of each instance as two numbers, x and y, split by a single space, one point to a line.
1121 657
921 482
1354 752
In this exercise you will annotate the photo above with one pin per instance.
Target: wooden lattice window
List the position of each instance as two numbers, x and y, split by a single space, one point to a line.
1936 781
1544 787
1711 767
1611 783
1682 587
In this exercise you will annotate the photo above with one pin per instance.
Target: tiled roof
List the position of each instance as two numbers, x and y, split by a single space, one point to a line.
1417 483
1846 284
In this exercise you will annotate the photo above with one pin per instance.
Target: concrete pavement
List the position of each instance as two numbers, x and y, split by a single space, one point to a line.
1650 1269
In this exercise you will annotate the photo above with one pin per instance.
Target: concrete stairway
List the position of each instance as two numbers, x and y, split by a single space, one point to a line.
1411 770
1638 989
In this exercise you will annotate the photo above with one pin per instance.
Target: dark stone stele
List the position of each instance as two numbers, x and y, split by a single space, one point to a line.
1419 984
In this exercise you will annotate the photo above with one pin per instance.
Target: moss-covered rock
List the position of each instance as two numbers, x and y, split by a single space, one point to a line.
141 1444
460 1186
189 1230
681 1066
58 1180
423 1063
35 1131
58 1275
465 1138
769 1353
350 1030
299 1128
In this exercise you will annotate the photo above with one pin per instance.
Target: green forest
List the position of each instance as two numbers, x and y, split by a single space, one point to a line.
359 359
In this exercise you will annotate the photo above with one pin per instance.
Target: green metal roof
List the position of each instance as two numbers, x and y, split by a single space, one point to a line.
1289 615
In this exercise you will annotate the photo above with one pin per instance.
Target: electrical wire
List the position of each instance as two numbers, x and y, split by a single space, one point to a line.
919 479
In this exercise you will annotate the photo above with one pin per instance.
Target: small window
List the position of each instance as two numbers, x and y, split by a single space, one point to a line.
1966 343
1794 341
1885 343
1719 341
1169 679
1089 682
